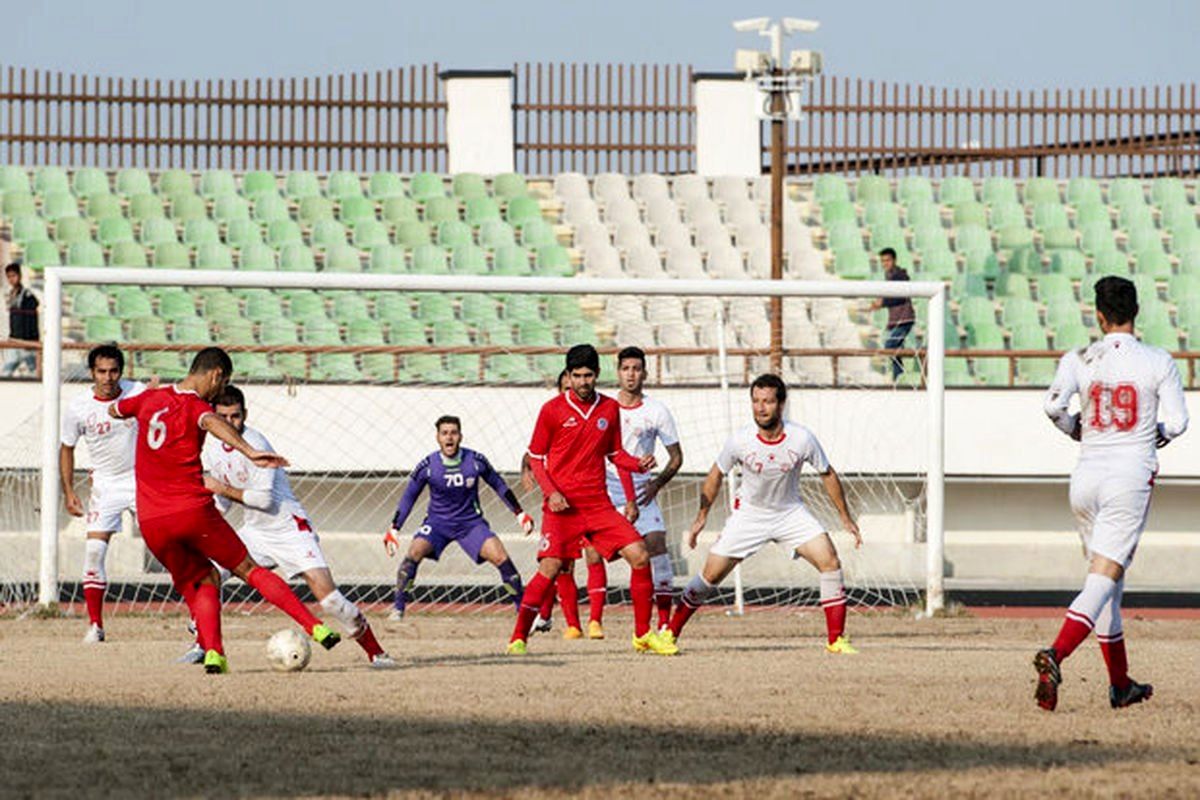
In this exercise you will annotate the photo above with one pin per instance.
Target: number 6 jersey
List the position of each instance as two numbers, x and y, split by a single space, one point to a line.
1123 386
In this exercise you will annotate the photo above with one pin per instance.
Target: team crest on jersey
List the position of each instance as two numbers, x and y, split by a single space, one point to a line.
602 424
470 481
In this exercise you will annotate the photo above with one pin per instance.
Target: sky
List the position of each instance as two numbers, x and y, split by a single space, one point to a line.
1027 44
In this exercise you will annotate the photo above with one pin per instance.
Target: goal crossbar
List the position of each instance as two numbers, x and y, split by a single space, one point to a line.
57 277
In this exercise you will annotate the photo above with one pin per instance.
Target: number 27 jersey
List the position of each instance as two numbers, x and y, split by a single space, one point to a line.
1123 386
170 478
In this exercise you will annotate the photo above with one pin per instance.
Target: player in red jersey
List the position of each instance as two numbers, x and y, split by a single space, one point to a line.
180 523
574 435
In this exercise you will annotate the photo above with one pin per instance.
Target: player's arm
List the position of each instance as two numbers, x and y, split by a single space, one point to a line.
656 484
708 496
228 434
539 447
1058 398
256 495
837 494
418 479
66 474
1172 408
127 406
506 495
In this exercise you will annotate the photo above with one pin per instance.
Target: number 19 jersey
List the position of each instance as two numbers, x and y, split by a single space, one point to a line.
1123 386
170 478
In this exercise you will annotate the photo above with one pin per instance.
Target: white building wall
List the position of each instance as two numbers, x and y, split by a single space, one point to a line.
479 122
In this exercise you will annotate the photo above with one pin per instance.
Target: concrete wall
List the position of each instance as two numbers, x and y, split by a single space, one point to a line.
479 122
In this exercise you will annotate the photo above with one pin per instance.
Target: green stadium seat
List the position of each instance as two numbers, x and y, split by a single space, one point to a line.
220 305
828 187
1050 215
1054 285
1024 259
14 179
1063 312
384 185
175 181
521 308
370 233
39 255
214 255
494 234
1164 191
1018 311
1110 262
19 204
1152 313
166 364
27 229
232 329
1135 216
1014 237
481 209
507 367
1184 239
1069 263
972 237
425 186
396 210
912 188
304 304
201 231
336 368
563 308
172 255
536 333
284 231
185 207
343 258
146 206
51 179
454 234
407 333
270 207
1147 288
58 205
411 233
343 185
380 367
955 190
998 190
113 230
970 213
469 259
318 331
478 310
243 233
468 185
537 233
1083 191
364 331
1161 335
134 303
103 206
441 209
498 332
1096 238
508 185
523 210
976 311
299 185
920 213
296 257
554 260
1142 238
1041 190
263 304
1152 262
435 308
353 210
350 306
257 182
1005 215
938 265
127 254
191 330
981 262
1126 192
314 209
1059 239
838 211
89 302
1189 262
882 213
451 333
89 181
873 189
1071 336
1012 284
852 265
328 233
175 304
216 184
930 237
387 259
429 259
68 231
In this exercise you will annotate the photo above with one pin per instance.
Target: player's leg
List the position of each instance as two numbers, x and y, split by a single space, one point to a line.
820 552
95 582
568 597
353 621
611 534
544 620
483 545
541 584
597 588
700 590
663 573
406 574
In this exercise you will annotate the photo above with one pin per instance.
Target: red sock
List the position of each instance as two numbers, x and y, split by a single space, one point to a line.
597 590
535 591
568 595
204 601
1116 661
641 591
1074 630
663 602
547 605
367 641
277 593
93 598
683 612
835 617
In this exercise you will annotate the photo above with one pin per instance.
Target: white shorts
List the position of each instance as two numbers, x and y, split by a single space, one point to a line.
289 548
650 518
1110 510
749 528
107 501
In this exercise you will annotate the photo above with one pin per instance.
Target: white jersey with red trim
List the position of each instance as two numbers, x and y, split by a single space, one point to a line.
111 442
771 469
1124 388
641 425
227 465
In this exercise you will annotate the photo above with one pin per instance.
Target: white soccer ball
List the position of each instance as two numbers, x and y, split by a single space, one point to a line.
288 651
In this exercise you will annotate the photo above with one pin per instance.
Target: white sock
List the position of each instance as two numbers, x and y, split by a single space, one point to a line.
94 576
833 591
697 592
663 572
1087 605
1108 621
346 613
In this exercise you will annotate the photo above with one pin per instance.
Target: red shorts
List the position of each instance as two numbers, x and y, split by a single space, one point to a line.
187 543
603 527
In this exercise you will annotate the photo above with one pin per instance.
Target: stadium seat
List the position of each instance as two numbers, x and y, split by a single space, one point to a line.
344 185
191 330
468 185
955 190
197 232
296 257
481 209
509 185
411 233
399 209
67 231
388 259
1041 190
51 179
258 182
19 204
441 209
217 184
243 233
912 188
315 209
133 303
214 255
58 205
496 233
305 304
426 186
469 259
429 259
103 206
14 179
343 258
39 255
175 304
284 231
269 207
262 305
349 306
328 233
1083 191
299 185
370 233
434 308
172 182
353 210
185 207
127 254
384 185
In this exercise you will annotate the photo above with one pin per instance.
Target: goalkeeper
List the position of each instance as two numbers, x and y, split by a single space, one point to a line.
453 474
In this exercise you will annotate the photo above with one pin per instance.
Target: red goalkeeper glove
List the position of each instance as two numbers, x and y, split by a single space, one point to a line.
525 521
391 541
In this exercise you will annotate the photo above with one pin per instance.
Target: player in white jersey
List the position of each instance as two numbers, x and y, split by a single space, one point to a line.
644 421
768 508
275 527
111 444
1131 403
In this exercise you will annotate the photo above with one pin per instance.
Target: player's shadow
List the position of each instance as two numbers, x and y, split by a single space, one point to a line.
67 749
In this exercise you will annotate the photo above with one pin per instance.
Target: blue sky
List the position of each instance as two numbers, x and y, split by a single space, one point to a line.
1013 44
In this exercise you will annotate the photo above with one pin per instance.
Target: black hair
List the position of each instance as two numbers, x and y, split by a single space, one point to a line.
770 381
13 267
583 356
106 351
231 396
632 352
211 358
1116 299
888 251
448 419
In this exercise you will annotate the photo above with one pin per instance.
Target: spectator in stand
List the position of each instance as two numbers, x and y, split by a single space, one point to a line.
22 323
900 309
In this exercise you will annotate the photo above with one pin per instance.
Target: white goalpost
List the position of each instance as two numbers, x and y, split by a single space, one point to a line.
709 403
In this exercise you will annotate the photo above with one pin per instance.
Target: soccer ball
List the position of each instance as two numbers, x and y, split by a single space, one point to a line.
288 651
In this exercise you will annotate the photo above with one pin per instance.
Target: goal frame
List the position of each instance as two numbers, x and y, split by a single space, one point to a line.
56 277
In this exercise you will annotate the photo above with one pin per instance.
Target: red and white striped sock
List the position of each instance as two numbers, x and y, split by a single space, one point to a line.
1115 659
1082 614
95 581
833 602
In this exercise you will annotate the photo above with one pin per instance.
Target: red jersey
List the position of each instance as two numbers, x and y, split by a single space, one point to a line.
167 466
574 441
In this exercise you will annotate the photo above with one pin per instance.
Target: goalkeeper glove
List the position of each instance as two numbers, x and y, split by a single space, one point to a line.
391 541
525 521
1161 440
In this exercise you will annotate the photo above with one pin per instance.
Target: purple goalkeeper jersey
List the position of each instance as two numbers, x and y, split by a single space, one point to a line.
453 489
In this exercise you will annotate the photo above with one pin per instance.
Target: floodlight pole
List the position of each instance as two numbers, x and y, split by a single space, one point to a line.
778 113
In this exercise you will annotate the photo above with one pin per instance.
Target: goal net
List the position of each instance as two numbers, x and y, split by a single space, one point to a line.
345 375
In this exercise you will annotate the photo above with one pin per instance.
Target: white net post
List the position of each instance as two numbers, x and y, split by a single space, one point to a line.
51 391
739 589
935 533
